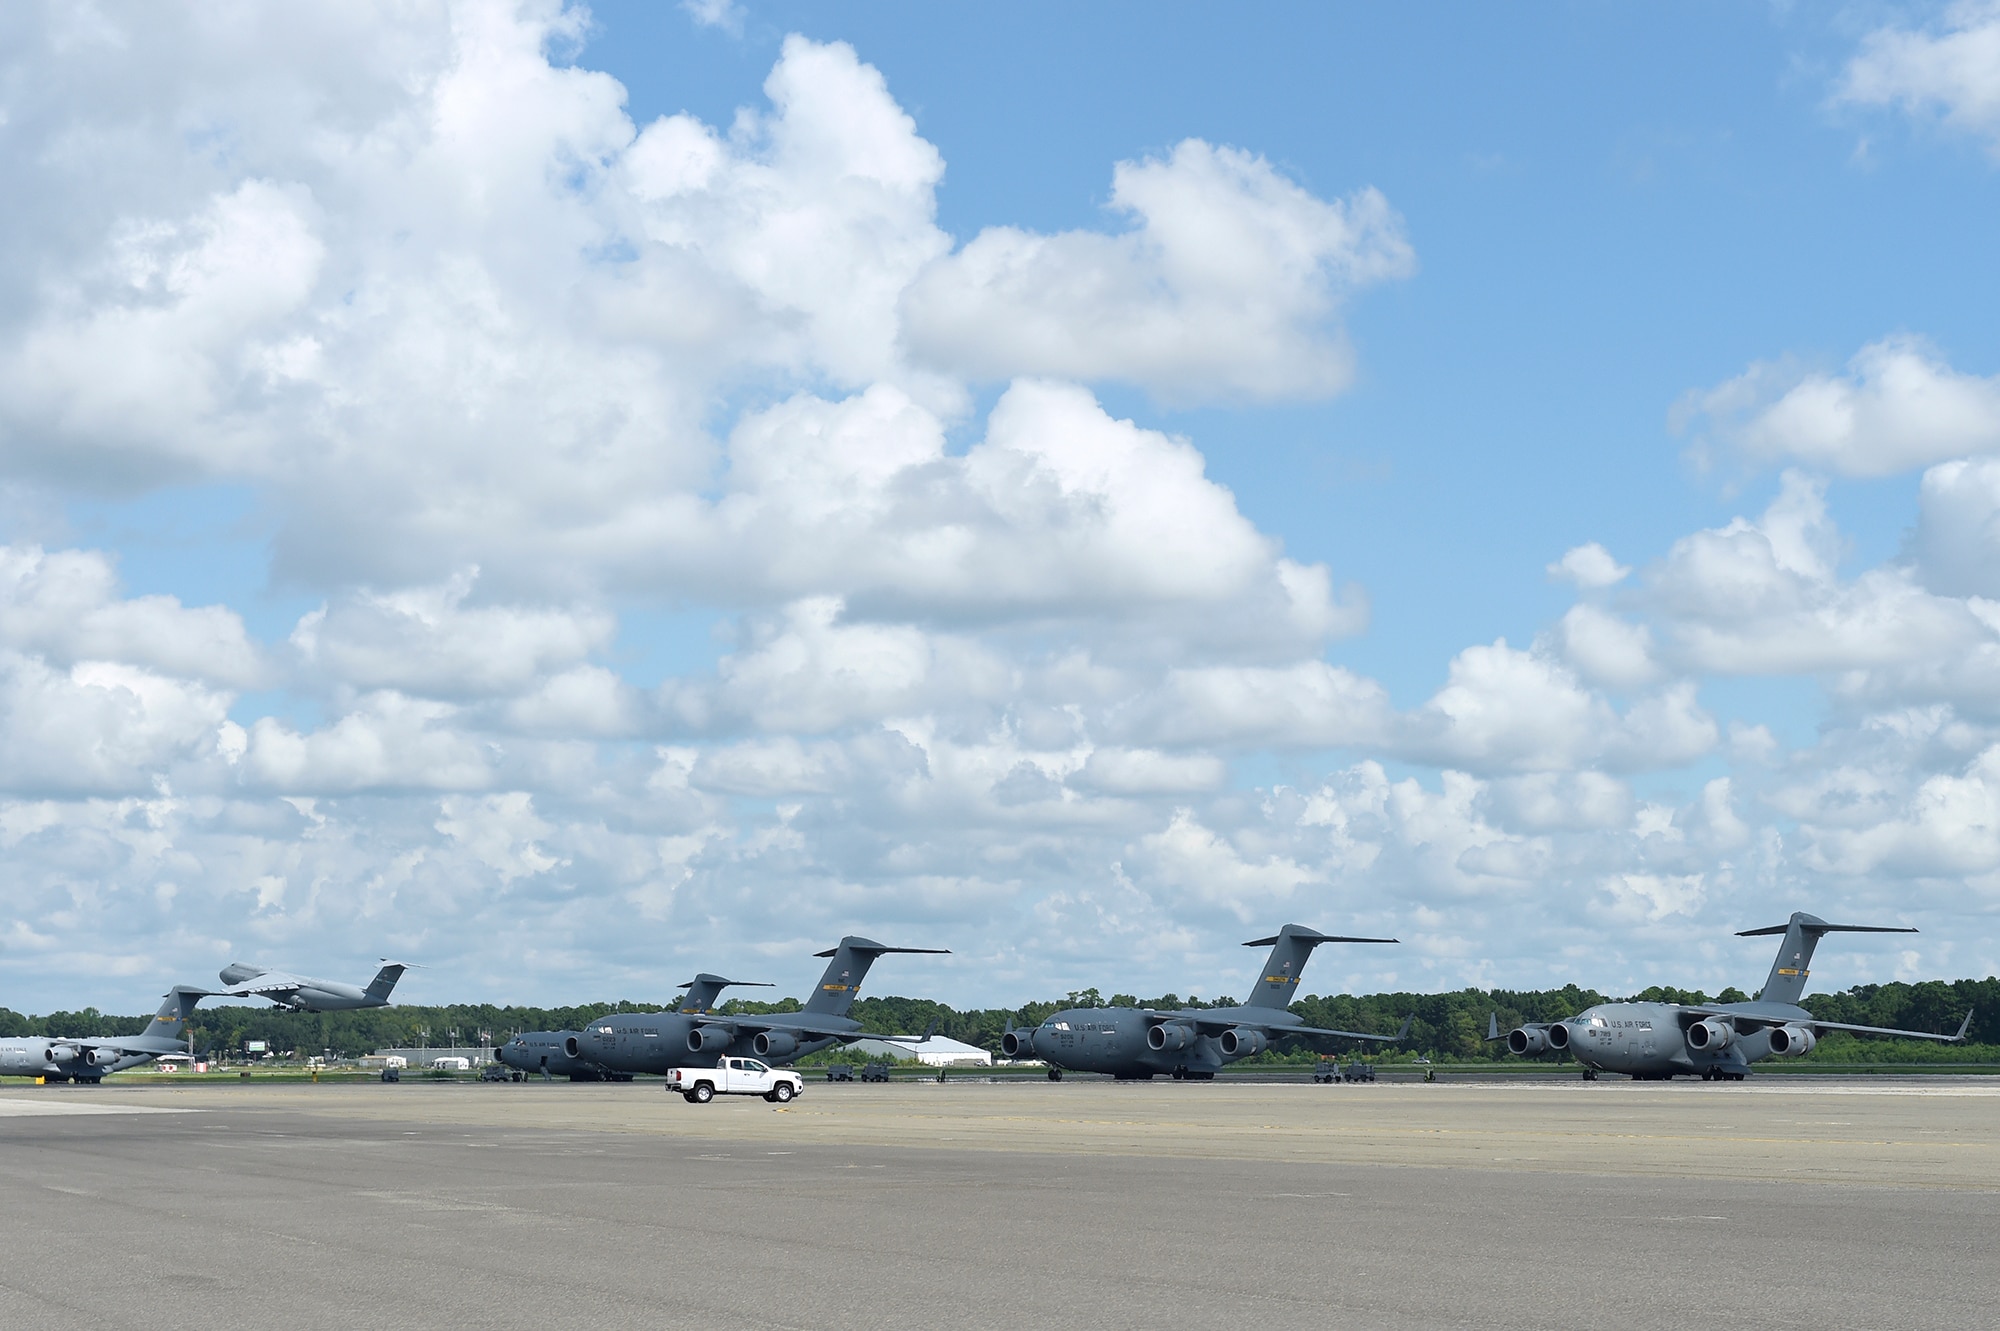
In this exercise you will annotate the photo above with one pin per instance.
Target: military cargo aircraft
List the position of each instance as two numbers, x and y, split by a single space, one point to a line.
303 994
1718 1041
1192 1043
544 1051
655 1041
76 1058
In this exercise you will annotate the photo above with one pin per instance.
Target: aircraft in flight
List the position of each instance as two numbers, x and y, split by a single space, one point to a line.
302 993
655 1041
1192 1043
1718 1041
76 1058
544 1051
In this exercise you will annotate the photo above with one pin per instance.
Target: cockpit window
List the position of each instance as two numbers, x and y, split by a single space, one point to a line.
1598 1021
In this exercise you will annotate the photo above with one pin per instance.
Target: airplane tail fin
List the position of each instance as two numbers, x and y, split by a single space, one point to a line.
704 989
844 973
1290 948
1787 982
170 1022
385 979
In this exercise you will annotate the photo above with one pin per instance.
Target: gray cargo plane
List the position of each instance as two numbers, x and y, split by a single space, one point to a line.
655 1041
544 1051
1192 1043
304 994
77 1058
1659 1041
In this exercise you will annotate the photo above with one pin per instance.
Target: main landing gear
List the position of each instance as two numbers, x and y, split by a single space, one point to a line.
1590 1074
1720 1074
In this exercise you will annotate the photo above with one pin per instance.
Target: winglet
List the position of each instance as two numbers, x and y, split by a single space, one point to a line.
1493 1025
1408 1022
1963 1026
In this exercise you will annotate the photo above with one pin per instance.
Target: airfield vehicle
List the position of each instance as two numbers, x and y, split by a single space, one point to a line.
1327 1071
499 1072
875 1072
734 1076
840 1072
1359 1072
388 1074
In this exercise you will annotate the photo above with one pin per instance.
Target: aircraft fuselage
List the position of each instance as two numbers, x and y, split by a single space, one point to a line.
652 1042
1113 1040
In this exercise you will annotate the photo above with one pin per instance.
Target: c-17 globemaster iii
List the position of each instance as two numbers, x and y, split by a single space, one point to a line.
89 1059
655 1041
1192 1043
547 1052
302 993
1718 1041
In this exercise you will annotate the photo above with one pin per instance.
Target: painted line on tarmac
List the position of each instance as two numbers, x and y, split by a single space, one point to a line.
12 1106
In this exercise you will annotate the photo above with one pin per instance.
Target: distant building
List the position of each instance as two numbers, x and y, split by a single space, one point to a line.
477 1056
936 1052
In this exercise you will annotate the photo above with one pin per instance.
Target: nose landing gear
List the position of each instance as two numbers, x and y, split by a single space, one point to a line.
1055 1074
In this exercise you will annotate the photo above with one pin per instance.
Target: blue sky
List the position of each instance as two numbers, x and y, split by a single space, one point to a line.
579 495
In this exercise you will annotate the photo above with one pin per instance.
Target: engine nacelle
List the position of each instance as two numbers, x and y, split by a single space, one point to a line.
1708 1034
709 1039
1557 1035
774 1044
572 1047
64 1053
1527 1040
1018 1044
102 1057
1792 1041
1242 1042
1169 1036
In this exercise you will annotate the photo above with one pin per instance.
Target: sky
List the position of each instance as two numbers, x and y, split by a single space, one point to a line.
576 496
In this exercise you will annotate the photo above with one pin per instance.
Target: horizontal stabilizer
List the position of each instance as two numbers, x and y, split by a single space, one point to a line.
1310 936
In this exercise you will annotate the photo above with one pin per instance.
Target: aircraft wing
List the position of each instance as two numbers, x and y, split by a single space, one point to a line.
805 1026
264 986
1278 1030
1959 1038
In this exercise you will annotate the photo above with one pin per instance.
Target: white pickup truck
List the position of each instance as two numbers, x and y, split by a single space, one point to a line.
734 1076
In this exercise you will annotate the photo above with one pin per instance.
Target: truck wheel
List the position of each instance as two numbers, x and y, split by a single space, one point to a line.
782 1092
702 1093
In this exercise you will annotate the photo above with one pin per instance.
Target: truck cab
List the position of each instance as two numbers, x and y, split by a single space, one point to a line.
734 1076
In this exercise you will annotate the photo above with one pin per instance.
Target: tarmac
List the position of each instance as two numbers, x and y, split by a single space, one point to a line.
1844 1203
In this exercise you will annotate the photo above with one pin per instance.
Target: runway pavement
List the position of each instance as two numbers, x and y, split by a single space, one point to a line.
1081 1204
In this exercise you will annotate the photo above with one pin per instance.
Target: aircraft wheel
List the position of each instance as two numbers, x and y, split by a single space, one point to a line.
1055 1074
781 1092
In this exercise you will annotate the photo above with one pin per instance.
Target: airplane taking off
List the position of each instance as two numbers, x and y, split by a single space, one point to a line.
1659 1041
1193 1043
655 1041
74 1058
303 994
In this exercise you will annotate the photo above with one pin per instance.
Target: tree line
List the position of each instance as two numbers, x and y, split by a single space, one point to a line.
1448 1025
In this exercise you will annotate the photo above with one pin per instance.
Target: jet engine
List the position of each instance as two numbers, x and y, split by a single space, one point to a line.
571 1048
1708 1033
1242 1042
1018 1044
1527 1040
710 1039
1169 1035
1792 1041
1557 1035
102 1057
774 1044
64 1053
